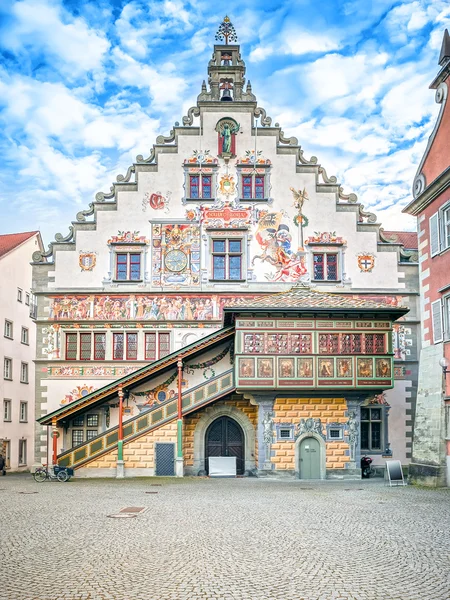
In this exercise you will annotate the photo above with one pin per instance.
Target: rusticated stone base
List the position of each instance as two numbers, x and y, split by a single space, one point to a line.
429 475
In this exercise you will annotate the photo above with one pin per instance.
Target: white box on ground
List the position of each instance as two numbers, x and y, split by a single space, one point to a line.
222 466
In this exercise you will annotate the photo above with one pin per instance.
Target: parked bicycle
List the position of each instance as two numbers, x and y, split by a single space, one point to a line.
54 473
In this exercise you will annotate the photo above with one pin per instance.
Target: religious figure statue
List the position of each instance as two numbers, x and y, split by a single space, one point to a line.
226 135
268 424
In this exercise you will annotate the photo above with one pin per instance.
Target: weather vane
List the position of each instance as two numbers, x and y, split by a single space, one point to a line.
226 32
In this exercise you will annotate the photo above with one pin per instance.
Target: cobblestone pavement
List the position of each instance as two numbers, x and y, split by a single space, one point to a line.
249 539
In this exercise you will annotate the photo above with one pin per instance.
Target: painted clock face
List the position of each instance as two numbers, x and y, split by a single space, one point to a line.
175 260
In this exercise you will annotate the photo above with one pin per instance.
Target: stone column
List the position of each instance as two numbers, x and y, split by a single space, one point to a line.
265 404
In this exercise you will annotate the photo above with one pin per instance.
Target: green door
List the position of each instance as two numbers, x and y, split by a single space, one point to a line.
309 459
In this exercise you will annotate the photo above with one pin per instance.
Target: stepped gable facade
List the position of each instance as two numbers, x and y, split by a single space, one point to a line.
225 295
431 205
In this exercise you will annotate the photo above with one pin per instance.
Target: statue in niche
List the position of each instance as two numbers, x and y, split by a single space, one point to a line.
268 427
227 136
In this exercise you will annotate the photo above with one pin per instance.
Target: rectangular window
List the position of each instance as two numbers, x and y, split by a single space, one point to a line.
253 187
164 344
23 412
8 329
23 372
446 227
78 421
371 429
22 452
99 346
7 410
85 346
128 266
436 315
150 346
27 299
77 437
132 346
325 266
92 420
19 295
227 259
7 368
118 343
200 186
71 346
25 336
91 434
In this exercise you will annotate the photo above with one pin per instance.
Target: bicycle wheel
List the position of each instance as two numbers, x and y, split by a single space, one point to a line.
62 476
40 475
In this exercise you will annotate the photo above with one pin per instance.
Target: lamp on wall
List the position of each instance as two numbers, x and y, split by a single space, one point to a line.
444 364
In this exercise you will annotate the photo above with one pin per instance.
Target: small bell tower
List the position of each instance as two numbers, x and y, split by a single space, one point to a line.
226 70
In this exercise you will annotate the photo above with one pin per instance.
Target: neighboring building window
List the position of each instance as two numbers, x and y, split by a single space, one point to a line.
7 368
27 299
7 410
128 266
436 316
23 412
25 336
200 186
99 346
19 295
157 345
371 428
325 266
118 346
23 372
439 226
22 452
85 346
71 346
227 259
132 346
8 329
253 187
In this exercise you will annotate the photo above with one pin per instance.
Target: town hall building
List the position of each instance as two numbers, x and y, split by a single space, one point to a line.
226 298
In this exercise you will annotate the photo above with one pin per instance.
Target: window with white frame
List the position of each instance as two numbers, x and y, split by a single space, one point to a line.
157 345
23 414
7 368
22 452
227 259
25 336
128 266
6 409
439 230
436 318
326 266
8 329
23 372
19 295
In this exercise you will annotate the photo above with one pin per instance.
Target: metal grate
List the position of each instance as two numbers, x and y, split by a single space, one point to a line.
165 460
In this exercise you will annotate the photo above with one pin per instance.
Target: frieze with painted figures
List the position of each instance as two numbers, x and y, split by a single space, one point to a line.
167 307
110 372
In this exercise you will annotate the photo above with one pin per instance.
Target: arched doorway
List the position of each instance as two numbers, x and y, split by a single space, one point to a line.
310 459
224 437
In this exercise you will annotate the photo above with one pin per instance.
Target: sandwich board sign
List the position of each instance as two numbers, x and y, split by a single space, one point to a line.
394 472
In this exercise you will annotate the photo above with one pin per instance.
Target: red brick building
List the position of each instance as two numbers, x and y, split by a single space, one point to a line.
431 204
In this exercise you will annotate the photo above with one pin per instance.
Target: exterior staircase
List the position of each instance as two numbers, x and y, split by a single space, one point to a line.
143 423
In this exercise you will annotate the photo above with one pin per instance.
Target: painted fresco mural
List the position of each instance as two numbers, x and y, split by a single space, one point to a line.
145 308
175 255
79 392
275 239
156 201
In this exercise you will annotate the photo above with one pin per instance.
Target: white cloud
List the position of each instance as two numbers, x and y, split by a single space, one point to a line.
67 40
299 41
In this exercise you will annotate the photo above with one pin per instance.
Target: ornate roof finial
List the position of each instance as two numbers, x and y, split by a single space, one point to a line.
226 32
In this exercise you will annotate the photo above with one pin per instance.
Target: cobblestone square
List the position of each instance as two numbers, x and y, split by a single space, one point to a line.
246 539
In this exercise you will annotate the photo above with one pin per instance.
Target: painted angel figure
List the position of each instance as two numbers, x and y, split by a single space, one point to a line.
226 135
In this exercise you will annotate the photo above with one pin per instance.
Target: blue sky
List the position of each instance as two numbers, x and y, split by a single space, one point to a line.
85 86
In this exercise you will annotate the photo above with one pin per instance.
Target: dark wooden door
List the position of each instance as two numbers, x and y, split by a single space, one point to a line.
224 437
